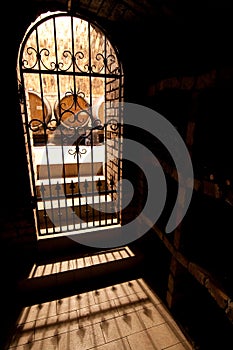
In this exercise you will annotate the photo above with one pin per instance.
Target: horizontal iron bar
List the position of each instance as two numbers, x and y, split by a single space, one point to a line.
77 195
85 74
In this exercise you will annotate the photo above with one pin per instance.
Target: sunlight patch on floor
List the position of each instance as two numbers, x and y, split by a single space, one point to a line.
124 316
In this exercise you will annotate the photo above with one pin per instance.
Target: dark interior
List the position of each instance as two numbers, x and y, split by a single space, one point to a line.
177 59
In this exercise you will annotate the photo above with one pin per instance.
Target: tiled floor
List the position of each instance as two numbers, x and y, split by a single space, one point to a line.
126 316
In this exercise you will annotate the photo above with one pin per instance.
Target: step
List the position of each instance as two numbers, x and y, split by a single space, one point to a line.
45 171
101 257
59 247
67 154
56 161
53 280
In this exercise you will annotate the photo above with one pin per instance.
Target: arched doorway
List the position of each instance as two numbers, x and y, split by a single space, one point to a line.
71 83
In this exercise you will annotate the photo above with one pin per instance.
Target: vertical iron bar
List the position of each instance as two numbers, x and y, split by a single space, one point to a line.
79 192
105 172
105 129
119 167
99 184
92 124
58 187
64 184
112 199
61 139
73 59
42 189
92 178
72 186
86 204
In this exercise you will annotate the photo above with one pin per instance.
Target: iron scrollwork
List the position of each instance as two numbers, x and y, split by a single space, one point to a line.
114 126
71 60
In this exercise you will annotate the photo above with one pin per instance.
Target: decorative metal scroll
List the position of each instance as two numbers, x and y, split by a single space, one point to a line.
74 60
87 53
112 123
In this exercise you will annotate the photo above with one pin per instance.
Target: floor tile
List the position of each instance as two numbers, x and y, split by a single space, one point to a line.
162 336
120 344
34 312
82 338
142 340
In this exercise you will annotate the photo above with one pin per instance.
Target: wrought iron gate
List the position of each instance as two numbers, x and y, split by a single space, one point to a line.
70 86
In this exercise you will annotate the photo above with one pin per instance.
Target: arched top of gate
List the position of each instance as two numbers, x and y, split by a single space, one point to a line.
64 43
